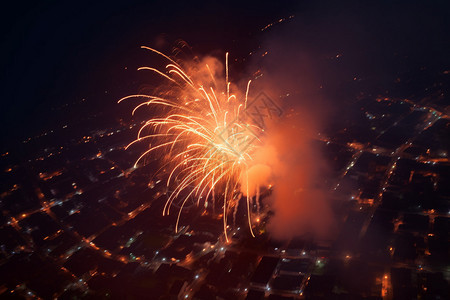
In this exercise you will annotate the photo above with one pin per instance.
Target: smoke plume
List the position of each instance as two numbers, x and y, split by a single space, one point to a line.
289 161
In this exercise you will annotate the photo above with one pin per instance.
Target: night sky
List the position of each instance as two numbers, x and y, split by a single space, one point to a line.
57 52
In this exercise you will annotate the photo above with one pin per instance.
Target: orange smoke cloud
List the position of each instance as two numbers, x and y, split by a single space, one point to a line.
289 161
256 176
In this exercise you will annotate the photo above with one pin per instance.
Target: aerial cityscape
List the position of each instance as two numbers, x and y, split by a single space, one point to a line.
90 211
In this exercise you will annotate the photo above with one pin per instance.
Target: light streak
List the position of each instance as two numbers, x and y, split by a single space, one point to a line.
202 134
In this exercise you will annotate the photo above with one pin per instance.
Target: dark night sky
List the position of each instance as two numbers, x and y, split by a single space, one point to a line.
57 51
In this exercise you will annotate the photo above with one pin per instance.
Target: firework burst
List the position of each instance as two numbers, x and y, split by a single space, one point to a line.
201 128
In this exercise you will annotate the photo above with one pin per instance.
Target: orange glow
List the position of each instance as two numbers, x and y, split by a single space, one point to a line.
199 133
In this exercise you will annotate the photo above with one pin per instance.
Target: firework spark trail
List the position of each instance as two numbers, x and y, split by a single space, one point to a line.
207 144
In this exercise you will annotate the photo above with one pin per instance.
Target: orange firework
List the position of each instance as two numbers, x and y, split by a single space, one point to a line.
200 126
